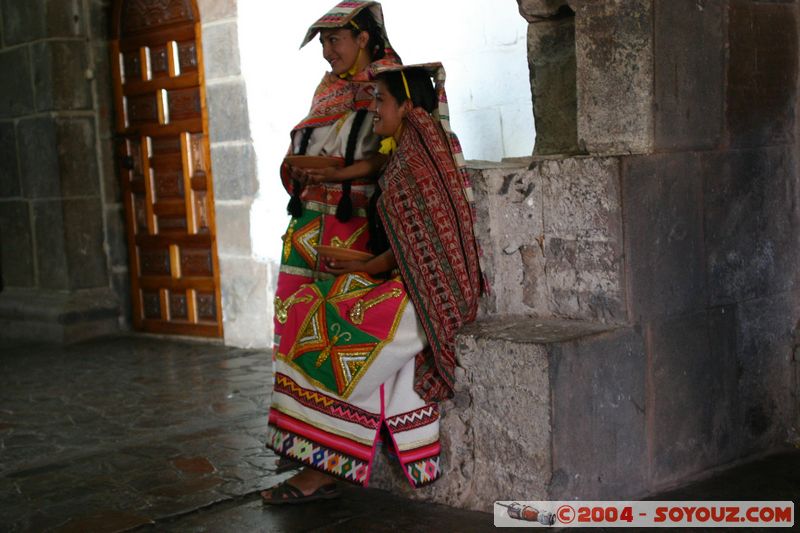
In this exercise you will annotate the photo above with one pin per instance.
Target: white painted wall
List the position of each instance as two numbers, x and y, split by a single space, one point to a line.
483 47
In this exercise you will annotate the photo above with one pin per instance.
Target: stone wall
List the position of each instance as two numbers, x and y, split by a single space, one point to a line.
642 325
62 244
245 281
64 254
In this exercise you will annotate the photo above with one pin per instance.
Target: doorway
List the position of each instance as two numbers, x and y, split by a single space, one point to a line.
164 166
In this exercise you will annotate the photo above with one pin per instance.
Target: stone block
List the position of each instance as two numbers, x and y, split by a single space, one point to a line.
65 19
689 73
77 157
727 441
58 316
555 232
16 245
59 75
487 143
686 385
23 21
36 19
100 19
751 221
535 10
221 56
37 140
582 198
116 237
58 157
583 238
51 253
212 10
235 174
614 54
584 279
16 90
247 315
69 244
233 229
508 200
553 71
598 417
104 104
227 111
9 163
84 242
762 68
664 246
511 441
765 341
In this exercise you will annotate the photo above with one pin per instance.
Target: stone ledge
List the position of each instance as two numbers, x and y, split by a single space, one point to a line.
515 163
58 316
532 330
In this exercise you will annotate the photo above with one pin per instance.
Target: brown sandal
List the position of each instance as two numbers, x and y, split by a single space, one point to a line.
287 494
282 464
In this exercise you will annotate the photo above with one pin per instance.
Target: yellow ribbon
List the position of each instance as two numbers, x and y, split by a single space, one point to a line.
388 146
405 84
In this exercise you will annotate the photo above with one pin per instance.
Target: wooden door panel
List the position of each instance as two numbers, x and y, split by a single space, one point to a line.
165 167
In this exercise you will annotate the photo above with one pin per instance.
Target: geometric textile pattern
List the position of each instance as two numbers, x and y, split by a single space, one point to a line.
325 404
414 419
317 456
304 238
424 471
332 345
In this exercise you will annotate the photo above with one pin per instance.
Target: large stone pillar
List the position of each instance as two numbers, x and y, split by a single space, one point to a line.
58 232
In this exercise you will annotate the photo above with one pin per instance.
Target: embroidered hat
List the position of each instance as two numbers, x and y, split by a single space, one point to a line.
342 14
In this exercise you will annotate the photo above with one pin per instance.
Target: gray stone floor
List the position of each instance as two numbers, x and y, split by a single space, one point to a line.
140 433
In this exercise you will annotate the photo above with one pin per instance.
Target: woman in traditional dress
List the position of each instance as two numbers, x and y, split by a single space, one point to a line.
368 349
330 208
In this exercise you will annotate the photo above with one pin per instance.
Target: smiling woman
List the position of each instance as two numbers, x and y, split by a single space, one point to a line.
372 349
328 204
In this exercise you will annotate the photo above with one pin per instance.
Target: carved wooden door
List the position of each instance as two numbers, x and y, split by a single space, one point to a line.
164 166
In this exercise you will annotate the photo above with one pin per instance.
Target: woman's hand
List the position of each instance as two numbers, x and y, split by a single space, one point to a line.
323 175
298 174
339 267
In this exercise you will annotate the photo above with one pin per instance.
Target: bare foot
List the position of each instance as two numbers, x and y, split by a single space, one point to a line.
307 481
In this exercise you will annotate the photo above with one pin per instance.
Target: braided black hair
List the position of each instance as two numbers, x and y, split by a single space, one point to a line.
295 207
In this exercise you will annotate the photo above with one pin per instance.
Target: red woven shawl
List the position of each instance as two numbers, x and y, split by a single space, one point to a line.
335 97
428 219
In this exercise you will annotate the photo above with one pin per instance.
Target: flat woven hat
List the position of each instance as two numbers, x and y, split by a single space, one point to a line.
342 14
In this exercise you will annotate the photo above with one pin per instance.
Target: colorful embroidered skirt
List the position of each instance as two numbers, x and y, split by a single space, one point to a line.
318 225
344 369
